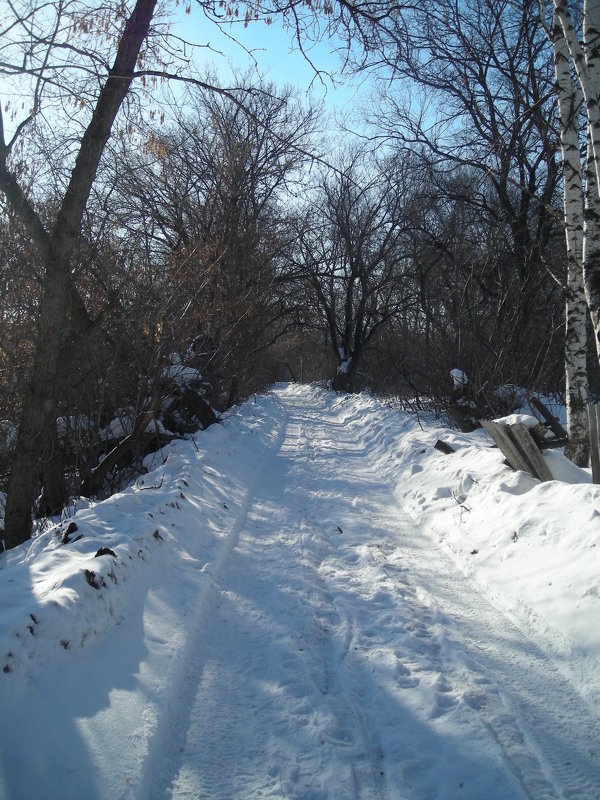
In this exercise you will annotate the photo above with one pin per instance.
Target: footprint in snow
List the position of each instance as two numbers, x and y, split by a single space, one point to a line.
404 677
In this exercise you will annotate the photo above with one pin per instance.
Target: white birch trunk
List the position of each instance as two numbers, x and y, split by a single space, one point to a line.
591 253
585 57
569 103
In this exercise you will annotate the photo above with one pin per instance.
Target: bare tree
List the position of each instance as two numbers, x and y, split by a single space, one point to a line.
469 301
352 253
79 61
37 439
485 73
210 197
482 70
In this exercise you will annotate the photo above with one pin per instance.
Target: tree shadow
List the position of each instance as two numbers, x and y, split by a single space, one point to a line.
49 712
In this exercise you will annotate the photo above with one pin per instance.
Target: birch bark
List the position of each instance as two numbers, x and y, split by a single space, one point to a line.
569 104
591 251
585 58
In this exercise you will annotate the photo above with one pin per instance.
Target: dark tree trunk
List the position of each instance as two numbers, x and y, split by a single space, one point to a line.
39 409
345 380
54 487
38 420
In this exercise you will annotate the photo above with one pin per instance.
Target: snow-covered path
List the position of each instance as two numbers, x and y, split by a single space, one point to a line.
340 654
274 624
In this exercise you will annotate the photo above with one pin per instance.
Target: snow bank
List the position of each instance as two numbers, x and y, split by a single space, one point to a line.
71 583
535 547
100 611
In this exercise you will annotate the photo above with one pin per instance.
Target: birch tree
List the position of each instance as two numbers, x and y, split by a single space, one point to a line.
569 107
578 78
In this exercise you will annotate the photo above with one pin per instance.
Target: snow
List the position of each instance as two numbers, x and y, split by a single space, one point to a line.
181 375
459 378
309 601
344 367
519 419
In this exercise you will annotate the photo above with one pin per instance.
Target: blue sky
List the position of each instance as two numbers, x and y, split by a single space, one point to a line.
278 57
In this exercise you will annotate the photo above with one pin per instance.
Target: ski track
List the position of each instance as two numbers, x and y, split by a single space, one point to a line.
339 653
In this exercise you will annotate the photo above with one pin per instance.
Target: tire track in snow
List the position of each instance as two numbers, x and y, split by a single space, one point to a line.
476 659
326 751
350 734
559 738
267 714
382 768
552 747
347 732
338 654
394 752
487 664
156 774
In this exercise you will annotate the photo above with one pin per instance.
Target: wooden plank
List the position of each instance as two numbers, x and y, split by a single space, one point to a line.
554 425
524 442
552 444
506 445
519 448
594 420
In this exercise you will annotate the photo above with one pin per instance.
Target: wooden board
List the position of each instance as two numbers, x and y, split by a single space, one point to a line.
554 425
505 444
526 445
519 448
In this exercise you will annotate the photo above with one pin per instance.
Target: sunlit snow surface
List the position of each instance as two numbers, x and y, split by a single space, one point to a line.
310 601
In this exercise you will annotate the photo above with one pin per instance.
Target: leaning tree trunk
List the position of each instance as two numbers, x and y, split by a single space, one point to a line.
39 407
569 103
